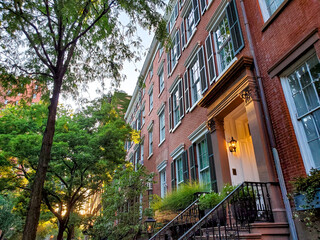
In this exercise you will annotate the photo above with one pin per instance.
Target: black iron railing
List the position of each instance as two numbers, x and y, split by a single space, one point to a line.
248 203
180 224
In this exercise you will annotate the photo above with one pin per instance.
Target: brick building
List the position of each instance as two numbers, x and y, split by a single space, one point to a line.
241 69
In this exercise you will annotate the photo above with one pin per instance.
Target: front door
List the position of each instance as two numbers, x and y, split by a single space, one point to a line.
243 166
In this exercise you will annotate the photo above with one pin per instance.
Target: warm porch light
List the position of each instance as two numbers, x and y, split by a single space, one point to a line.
149 225
233 145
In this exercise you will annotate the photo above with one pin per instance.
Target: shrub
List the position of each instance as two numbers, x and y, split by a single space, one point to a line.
210 200
178 199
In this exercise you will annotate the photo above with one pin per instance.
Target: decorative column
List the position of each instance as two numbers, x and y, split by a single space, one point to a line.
220 155
250 96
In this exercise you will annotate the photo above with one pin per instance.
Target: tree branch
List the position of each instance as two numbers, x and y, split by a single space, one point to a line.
45 197
50 24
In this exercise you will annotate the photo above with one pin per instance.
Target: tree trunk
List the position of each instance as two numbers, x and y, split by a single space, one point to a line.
62 228
30 228
70 232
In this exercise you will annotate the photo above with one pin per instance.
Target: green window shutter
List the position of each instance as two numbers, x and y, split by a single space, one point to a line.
203 76
186 91
168 63
210 59
170 112
214 186
173 176
203 5
185 166
193 170
180 99
234 26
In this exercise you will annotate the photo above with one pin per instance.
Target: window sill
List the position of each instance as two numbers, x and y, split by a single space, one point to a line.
274 15
189 40
194 105
161 142
178 124
150 156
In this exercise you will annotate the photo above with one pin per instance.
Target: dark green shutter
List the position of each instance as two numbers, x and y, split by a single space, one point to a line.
203 5
168 63
185 166
181 107
193 170
203 77
170 113
186 90
214 186
173 176
234 26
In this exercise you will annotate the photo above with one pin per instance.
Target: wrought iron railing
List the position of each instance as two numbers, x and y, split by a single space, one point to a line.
248 203
180 224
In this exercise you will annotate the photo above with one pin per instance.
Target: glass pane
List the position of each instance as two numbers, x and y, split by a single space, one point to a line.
314 67
311 97
303 75
205 178
315 150
300 104
316 117
309 128
294 84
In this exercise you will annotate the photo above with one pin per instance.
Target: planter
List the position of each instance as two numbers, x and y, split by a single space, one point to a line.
301 202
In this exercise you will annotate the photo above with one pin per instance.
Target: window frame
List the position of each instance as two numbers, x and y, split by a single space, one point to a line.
162 128
301 137
150 141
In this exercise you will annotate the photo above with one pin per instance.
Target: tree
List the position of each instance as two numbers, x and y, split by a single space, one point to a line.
64 42
121 205
86 149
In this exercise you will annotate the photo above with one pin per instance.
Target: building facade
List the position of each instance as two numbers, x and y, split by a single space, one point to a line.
238 70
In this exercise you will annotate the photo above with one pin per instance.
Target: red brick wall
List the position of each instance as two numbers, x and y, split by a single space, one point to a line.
296 20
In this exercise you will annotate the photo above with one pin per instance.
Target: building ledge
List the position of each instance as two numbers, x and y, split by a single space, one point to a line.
224 81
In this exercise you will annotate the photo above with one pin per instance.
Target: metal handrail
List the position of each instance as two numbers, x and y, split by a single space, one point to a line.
171 223
235 218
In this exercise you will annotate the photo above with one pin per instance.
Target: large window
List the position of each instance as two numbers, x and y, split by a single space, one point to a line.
197 74
223 44
303 96
268 7
203 160
179 169
176 106
150 100
191 19
163 183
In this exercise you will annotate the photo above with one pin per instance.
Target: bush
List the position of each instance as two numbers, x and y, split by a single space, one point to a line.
210 200
179 199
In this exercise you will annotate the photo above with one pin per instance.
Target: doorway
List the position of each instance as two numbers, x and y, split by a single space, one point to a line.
242 162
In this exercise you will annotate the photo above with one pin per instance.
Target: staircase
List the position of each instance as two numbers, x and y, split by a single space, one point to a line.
245 213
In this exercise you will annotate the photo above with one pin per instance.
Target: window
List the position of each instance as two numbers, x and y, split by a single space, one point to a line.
173 18
34 96
192 19
163 183
138 124
203 160
5 102
160 51
150 100
162 126
161 81
179 170
302 89
143 115
268 7
197 74
176 110
223 44
227 37
175 51
150 142
137 159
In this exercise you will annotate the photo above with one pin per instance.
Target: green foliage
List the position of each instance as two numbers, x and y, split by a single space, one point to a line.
308 185
210 200
178 199
10 221
121 206
87 147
